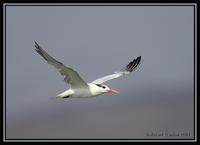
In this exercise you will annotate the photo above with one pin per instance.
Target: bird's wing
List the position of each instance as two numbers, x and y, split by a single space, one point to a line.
71 76
129 68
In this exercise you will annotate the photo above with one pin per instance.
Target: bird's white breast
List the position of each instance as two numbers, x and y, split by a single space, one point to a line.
95 90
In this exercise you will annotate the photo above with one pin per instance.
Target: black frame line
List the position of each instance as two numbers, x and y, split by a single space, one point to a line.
4 8
140 139
97 5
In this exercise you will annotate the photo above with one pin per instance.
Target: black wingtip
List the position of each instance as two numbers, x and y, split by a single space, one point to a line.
133 64
138 59
36 45
38 48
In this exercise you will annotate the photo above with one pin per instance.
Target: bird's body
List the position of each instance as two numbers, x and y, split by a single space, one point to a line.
92 91
78 87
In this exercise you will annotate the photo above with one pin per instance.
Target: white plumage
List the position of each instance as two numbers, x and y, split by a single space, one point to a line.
78 87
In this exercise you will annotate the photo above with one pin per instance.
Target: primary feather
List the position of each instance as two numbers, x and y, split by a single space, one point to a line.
71 76
129 68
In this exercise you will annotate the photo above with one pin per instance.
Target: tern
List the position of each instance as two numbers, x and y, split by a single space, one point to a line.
78 87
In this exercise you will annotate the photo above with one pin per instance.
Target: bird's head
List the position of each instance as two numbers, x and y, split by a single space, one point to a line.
106 89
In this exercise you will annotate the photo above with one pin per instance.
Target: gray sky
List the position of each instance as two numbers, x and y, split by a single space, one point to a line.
96 41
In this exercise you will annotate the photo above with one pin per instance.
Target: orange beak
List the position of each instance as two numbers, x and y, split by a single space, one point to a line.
113 91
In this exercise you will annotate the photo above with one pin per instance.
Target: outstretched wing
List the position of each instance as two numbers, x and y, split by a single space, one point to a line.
129 68
71 76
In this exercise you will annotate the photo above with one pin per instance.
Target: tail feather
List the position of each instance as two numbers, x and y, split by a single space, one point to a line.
62 97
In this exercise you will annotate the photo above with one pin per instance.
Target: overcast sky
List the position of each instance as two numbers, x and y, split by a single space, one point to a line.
96 41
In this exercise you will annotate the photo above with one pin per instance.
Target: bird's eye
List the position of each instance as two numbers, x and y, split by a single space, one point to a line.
99 85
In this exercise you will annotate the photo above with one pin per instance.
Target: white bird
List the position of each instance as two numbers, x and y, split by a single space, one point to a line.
78 87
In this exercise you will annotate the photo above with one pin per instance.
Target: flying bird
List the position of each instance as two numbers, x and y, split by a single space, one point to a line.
78 87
